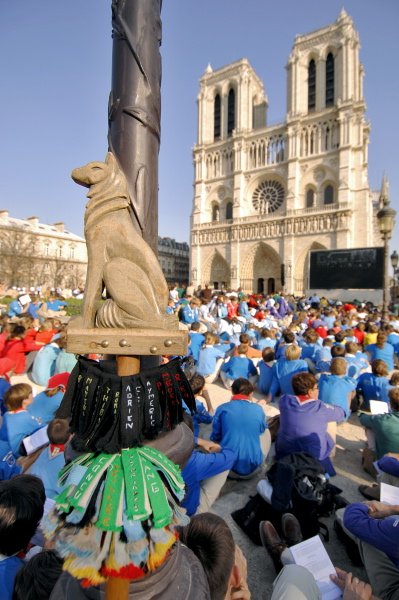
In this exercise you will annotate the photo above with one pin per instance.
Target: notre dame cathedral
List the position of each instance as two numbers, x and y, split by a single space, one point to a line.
265 196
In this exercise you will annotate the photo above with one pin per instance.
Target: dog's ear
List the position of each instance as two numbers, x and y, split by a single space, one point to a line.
110 160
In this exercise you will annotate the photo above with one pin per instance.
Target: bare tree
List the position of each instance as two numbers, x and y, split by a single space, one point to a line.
18 258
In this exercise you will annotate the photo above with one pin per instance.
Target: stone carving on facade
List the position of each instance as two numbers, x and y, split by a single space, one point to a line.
319 174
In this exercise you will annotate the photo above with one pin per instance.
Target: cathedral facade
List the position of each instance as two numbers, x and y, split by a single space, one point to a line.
265 196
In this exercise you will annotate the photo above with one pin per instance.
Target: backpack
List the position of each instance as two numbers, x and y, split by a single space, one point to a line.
300 487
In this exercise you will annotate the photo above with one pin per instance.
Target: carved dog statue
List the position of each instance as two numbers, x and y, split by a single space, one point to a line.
118 257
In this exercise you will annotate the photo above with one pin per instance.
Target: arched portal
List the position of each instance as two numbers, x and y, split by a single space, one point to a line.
301 270
260 263
216 271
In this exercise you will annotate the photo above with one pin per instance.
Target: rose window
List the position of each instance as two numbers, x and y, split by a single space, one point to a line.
268 197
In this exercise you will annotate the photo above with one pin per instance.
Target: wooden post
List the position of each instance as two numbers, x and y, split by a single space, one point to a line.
116 588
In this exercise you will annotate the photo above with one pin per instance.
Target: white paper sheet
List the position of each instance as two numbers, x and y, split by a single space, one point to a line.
312 555
378 407
389 494
36 440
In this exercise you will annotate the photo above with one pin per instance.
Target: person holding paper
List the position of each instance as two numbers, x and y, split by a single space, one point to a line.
376 527
385 426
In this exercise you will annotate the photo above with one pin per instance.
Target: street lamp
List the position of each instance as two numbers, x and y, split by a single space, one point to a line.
386 221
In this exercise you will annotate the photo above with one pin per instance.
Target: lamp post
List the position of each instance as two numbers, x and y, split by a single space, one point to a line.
394 262
386 221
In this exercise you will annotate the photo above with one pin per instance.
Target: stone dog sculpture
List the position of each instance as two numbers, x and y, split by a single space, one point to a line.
118 257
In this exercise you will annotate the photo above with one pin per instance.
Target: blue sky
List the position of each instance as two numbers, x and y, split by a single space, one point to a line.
55 65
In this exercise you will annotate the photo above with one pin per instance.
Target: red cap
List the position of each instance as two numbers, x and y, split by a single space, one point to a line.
56 380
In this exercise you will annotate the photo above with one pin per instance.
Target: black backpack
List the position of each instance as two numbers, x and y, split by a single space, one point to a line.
300 487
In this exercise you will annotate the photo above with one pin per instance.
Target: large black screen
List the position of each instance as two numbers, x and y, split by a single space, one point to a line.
357 268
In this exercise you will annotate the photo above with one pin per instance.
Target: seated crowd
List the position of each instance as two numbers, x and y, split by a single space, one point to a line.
312 364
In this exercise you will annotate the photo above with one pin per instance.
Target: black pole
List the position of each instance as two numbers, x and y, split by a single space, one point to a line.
135 106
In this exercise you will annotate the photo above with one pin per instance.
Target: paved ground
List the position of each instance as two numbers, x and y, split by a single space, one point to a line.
350 442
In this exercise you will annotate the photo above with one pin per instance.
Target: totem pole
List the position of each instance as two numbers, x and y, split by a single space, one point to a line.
115 520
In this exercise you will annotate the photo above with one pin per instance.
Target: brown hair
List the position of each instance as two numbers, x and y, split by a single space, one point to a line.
242 386
379 367
381 339
394 378
211 540
338 366
58 431
351 347
244 338
242 349
337 350
302 383
268 354
292 352
16 394
393 396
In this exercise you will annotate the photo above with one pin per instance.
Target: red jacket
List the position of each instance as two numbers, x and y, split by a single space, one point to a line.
15 350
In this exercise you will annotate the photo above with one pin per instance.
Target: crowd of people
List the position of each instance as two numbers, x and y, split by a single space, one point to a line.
317 362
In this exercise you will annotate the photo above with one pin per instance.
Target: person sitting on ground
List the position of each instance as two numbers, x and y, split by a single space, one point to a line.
37 578
323 356
46 332
374 385
370 336
241 424
283 371
374 526
211 540
18 423
45 360
388 472
267 339
237 366
337 388
19 306
65 361
382 350
266 370
295 581
51 460
211 357
287 339
46 403
309 344
204 474
197 339
188 313
246 338
15 349
357 361
55 305
202 415
385 427
304 420
21 508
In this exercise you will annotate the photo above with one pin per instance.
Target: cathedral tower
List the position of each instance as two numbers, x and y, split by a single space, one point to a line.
265 196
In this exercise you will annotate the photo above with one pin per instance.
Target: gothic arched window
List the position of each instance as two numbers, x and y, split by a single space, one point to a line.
229 210
329 194
312 85
215 212
309 198
231 112
216 122
330 80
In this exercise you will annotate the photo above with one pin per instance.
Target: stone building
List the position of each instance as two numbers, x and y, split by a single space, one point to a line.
264 196
33 253
174 260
